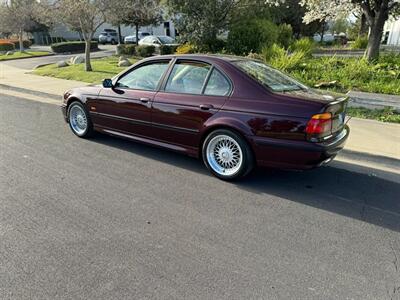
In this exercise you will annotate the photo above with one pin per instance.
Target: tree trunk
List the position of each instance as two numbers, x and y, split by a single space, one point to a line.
21 41
363 26
88 65
119 35
375 36
322 33
137 33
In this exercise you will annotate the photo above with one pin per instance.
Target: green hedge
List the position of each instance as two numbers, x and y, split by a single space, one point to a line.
285 35
72 47
360 43
251 35
126 49
145 51
6 46
26 44
165 49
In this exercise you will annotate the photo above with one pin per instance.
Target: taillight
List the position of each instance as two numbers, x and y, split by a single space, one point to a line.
320 124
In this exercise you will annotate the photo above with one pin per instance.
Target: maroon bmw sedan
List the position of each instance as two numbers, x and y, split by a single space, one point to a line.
233 112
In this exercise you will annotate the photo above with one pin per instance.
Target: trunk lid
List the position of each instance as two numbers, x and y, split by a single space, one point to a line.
333 103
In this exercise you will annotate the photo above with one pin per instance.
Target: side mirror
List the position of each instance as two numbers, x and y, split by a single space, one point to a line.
107 83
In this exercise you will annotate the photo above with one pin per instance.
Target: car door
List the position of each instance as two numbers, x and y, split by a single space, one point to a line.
127 106
193 93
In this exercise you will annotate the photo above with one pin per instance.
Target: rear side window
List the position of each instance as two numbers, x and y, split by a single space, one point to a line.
269 77
188 77
217 85
145 77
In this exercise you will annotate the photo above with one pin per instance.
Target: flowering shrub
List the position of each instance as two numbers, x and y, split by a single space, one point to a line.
15 42
6 46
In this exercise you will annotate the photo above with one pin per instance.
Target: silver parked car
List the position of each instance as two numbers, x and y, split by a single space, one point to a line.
108 36
131 39
157 41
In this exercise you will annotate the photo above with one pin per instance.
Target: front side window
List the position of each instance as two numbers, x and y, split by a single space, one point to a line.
217 85
145 77
269 77
187 77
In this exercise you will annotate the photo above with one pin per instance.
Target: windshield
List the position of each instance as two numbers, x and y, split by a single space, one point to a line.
166 40
269 77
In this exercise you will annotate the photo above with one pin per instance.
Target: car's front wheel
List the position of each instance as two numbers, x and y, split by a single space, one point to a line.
227 155
79 120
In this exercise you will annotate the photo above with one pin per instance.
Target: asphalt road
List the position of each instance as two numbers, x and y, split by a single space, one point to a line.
111 219
29 64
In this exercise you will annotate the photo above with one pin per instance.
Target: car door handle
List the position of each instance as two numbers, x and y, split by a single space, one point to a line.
144 100
206 106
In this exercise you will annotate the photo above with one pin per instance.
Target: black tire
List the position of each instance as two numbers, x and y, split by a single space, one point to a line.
89 131
112 42
247 163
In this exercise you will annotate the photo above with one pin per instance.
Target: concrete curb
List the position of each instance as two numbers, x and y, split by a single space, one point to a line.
31 92
28 57
41 65
369 157
373 100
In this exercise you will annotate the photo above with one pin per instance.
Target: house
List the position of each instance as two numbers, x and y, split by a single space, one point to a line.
391 33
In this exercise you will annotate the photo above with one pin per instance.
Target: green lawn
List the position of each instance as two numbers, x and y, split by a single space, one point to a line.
102 68
17 55
383 115
356 74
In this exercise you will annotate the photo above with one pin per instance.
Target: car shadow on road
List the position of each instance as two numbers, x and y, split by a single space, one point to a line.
336 188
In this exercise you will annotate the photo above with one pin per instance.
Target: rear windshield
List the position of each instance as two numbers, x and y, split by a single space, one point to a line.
269 77
166 40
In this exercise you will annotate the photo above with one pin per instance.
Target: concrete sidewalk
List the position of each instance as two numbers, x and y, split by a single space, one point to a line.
373 137
20 78
367 136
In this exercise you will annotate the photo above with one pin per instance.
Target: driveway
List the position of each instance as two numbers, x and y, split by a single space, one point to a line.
111 219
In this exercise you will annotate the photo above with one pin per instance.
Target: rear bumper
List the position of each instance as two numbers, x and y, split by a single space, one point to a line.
291 154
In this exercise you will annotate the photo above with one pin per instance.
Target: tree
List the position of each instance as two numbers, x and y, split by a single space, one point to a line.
85 15
292 13
376 14
19 16
134 12
340 25
200 22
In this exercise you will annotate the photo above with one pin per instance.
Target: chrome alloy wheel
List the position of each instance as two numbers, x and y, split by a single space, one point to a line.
224 155
78 120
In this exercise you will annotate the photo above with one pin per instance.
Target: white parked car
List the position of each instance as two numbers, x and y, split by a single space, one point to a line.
131 39
108 36
157 41
328 37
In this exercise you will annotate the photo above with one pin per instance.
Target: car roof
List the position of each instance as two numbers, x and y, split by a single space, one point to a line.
210 57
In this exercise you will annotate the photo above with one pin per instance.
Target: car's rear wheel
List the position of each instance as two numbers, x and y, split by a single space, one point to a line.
227 155
79 120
